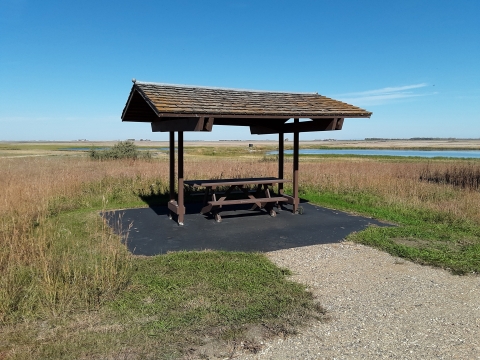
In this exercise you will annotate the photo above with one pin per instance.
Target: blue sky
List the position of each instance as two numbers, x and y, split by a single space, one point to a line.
66 66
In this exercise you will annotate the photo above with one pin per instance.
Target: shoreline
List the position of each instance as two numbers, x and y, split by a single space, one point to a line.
406 144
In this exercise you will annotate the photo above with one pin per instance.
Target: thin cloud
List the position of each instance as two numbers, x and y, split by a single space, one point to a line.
384 95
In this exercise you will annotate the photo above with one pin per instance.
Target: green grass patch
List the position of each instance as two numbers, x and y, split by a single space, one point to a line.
31 146
421 235
228 151
210 288
387 158
188 296
176 304
112 193
87 297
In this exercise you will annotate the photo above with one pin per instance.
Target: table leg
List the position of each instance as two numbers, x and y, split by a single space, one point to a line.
216 208
206 195
257 194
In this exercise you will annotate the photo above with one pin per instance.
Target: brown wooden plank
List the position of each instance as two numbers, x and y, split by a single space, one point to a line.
339 124
283 117
234 182
208 124
247 201
305 126
183 124
290 199
206 209
249 122
330 115
173 207
235 192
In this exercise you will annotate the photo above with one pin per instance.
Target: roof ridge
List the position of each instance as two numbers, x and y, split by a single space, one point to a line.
222 88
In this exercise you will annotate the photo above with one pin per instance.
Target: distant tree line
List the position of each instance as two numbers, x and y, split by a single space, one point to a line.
418 138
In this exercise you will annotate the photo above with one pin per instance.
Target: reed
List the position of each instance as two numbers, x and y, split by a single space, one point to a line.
393 183
466 176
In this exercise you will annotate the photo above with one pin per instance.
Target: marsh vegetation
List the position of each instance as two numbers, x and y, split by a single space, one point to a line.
69 286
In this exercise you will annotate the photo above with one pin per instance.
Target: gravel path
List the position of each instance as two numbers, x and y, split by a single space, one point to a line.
381 307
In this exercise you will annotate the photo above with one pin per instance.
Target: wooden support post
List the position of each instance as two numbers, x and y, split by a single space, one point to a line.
172 174
172 166
181 205
296 139
280 161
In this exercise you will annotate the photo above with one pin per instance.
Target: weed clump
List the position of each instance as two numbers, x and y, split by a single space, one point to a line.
121 150
465 177
270 158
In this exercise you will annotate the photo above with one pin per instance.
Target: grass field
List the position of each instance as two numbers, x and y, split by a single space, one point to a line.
443 144
70 289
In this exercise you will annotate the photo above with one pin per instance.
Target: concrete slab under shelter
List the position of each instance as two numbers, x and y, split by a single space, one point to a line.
149 231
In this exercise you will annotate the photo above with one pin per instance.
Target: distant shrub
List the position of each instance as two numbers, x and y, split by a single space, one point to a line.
466 176
269 158
121 150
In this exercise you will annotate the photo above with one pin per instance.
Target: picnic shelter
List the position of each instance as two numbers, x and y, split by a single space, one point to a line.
179 108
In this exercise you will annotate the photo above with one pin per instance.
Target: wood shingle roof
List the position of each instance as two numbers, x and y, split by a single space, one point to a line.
178 99
159 103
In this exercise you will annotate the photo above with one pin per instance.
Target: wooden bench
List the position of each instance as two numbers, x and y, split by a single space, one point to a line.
260 197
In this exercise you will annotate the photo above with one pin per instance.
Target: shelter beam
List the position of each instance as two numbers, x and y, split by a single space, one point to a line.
305 126
183 124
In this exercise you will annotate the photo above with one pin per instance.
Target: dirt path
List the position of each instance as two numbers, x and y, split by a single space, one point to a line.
380 307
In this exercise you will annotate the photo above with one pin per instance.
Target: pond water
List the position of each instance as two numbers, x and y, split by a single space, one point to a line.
107 148
472 154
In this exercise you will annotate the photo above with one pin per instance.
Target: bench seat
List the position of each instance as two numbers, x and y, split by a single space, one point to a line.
247 201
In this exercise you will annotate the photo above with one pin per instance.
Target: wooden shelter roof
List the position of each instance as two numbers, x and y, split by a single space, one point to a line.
166 104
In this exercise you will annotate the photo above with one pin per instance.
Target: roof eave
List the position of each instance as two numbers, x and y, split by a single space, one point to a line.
137 89
269 115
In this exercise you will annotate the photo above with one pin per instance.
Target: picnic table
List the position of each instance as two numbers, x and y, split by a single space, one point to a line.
260 196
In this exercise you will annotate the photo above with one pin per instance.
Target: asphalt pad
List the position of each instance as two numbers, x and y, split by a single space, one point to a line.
149 231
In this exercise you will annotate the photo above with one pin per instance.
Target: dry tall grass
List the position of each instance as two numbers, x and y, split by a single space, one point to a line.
464 176
396 183
43 269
